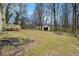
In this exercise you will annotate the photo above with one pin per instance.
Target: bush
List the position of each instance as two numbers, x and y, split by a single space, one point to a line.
11 27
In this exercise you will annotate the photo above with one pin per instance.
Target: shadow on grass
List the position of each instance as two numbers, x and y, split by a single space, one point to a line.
14 41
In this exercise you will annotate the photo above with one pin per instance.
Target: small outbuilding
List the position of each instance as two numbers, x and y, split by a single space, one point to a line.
46 28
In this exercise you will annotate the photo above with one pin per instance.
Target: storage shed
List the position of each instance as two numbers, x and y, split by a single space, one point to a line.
46 28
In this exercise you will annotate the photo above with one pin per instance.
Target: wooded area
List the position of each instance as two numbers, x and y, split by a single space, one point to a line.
60 17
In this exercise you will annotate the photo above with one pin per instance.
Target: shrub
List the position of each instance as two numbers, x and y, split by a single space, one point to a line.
11 27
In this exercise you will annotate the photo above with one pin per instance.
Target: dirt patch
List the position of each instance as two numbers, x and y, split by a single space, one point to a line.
13 46
14 41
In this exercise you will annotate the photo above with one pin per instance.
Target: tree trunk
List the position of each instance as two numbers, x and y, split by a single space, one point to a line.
0 21
74 26
55 22
65 19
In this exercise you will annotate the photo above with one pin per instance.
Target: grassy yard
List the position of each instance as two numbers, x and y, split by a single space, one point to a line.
45 43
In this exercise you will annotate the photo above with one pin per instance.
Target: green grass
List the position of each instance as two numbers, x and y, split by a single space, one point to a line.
46 43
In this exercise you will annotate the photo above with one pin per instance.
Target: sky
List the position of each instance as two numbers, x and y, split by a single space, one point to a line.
30 8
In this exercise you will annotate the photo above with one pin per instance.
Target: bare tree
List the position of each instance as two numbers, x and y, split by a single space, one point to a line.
0 17
74 26
65 20
39 9
52 10
22 14
16 18
7 12
55 21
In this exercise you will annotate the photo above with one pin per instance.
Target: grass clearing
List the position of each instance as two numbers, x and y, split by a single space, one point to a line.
46 43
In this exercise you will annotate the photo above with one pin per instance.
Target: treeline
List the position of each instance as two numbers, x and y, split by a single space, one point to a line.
14 13
59 16
64 17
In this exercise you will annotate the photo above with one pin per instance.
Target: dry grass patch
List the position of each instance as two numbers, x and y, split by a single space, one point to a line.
47 43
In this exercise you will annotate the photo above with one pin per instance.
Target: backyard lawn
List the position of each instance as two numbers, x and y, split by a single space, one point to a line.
45 43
